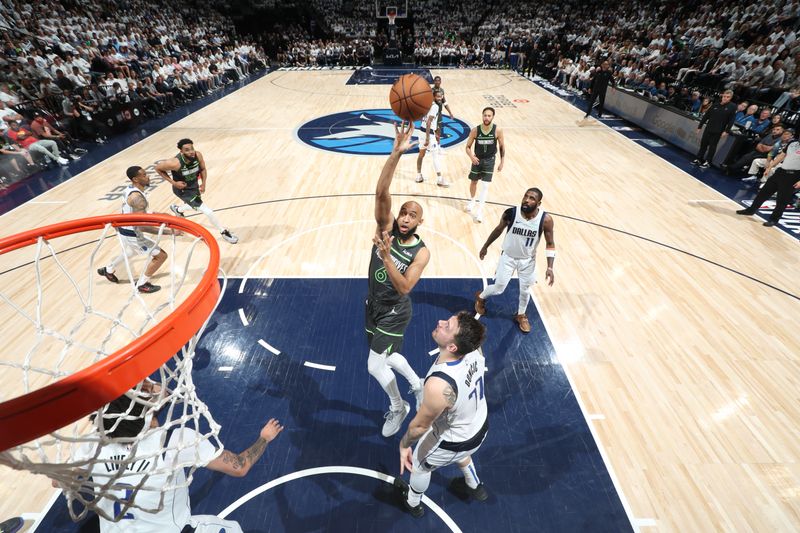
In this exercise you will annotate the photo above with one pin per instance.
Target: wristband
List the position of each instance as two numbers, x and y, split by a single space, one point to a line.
551 253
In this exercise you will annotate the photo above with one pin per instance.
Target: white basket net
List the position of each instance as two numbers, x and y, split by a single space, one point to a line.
130 453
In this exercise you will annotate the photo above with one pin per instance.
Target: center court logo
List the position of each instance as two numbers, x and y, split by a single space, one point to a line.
369 132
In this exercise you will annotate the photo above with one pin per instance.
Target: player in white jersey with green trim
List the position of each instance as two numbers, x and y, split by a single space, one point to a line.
453 420
524 228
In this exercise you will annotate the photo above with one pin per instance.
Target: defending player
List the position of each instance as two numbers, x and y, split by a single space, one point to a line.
189 179
524 228
134 242
182 446
453 420
396 263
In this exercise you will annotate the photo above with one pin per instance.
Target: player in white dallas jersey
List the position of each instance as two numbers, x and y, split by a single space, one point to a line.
134 242
430 123
452 421
185 446
524 226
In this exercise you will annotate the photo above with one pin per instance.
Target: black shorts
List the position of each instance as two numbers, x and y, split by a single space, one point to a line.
483 170
190 195
386 325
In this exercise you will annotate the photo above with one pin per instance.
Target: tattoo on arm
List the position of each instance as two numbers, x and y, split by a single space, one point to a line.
232 459
254 452
137 202
450 396
247 458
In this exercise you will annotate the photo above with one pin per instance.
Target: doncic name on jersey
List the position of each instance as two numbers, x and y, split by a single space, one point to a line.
370 132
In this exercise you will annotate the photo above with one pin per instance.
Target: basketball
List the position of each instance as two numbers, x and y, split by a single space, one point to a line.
411 97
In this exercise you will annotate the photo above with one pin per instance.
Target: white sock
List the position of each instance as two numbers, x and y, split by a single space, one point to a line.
208 212
112 266
437 162
142 280
185 207
418 484
398 363
376 364
482 194
470 475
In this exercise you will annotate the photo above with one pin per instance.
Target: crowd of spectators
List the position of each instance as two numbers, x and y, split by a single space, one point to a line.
70 70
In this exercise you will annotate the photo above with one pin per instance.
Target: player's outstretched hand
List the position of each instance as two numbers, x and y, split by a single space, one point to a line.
384 245
271 430
551 278
482 253
402 140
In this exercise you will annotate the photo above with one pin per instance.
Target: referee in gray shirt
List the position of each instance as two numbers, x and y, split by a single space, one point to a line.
785 181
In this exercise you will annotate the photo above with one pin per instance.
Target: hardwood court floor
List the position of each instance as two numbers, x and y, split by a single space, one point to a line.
674 318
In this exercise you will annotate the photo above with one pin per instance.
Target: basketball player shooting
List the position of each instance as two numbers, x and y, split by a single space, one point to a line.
524 227
189 179
396 263
453 420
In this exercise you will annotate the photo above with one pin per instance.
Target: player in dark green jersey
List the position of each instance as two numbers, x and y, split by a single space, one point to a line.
396 263
489 140
189 178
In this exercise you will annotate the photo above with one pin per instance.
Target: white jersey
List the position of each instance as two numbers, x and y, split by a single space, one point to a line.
433 113
467 419
522 235
176 512
131 231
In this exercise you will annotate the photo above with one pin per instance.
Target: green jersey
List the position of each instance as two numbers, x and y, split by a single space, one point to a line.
188 172
486 143
380 286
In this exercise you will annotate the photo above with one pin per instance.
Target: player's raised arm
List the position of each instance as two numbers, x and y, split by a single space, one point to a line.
165 167
239 464
383 199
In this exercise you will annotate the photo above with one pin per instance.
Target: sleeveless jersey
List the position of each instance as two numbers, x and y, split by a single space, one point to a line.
131 231
467 419
188 171
380 286
486 143
436 113
176 511
522 235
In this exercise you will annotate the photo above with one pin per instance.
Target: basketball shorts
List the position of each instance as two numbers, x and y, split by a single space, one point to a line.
525 268
137 244
386 325
483 170
190 195
432 452
432 145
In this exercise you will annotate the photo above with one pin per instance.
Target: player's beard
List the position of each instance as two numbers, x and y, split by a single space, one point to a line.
408 234
527 208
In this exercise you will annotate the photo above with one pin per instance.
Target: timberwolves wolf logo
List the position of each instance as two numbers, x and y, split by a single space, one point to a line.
369 132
